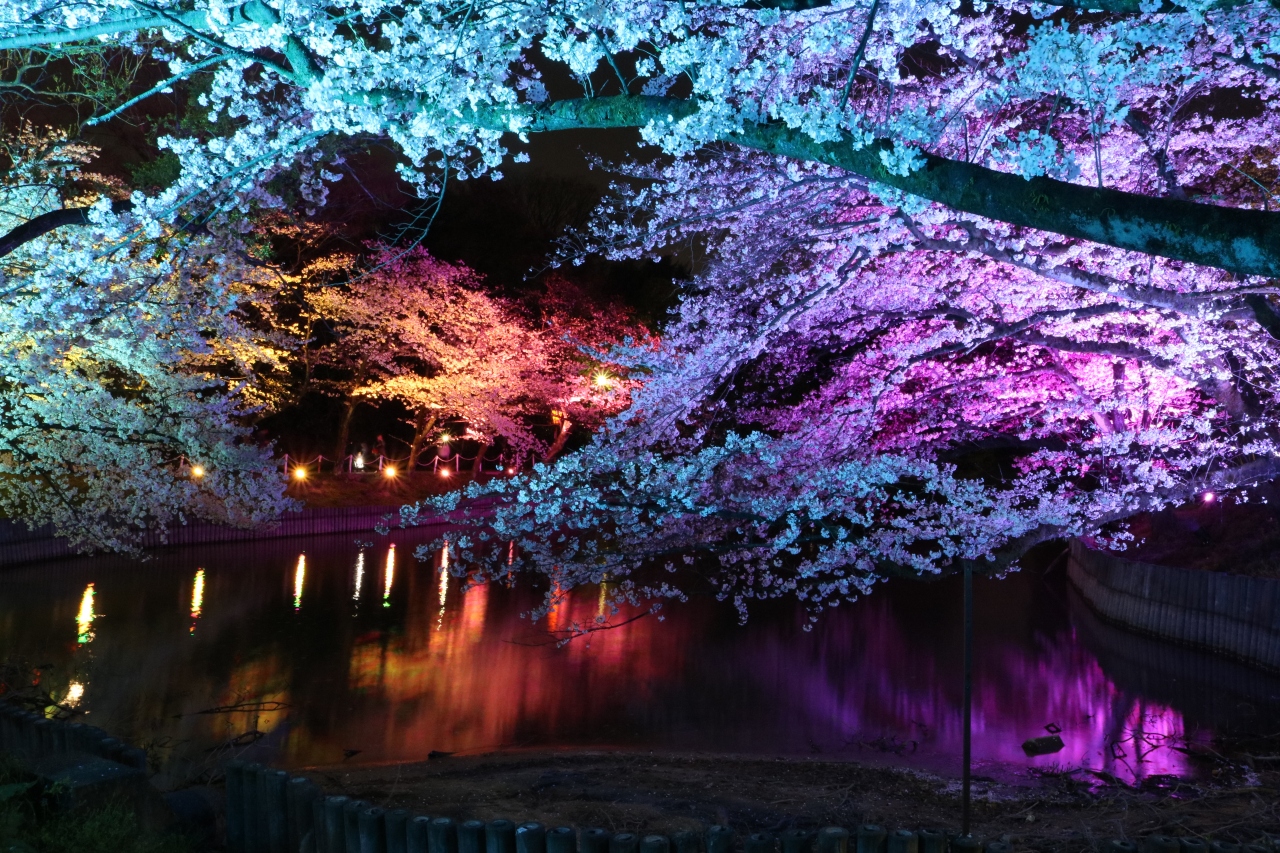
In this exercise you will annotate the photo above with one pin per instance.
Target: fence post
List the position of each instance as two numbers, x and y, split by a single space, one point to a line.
351 824
594 841
562 839
933 841
335 827
624 842
299 797
686 841
531 838
903 841
373 838
442 836
471 837
273 804
871 838
254 837
420 834
833 839
720 839
397 823
500 837
235 806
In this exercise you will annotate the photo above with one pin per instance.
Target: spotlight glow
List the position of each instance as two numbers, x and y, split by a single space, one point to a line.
389 471
299 473
197 471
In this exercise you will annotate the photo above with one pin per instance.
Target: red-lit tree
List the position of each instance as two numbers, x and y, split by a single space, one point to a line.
424 333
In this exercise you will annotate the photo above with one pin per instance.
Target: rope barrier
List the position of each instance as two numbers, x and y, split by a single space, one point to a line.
356 464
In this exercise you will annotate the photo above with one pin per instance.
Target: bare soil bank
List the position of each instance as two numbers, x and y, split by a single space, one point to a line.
1238 534
650 792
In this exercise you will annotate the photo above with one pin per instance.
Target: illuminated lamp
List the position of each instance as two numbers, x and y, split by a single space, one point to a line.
197 471
445 472
389 471
299 473
1209 497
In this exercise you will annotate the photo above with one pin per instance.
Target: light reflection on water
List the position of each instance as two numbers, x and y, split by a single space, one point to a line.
431 665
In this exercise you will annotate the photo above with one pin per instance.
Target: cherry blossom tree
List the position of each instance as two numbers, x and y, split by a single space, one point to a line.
424 333
975 275
127 374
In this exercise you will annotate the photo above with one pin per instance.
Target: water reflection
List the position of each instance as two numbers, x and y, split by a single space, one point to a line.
355 595
299 578
85 617
440 666
389 575
197 598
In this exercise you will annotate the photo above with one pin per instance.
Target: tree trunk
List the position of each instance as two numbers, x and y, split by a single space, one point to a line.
344 428
478 466
423 423
558 445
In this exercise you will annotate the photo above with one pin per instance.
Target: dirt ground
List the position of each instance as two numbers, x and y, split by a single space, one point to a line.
1227 534
651 792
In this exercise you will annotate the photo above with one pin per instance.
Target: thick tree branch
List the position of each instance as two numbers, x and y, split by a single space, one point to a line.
1234 239
40 225
1115 7
108 27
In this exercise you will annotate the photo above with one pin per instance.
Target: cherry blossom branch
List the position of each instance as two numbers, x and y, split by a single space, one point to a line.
38 226
1234 239
1010 330
1190 304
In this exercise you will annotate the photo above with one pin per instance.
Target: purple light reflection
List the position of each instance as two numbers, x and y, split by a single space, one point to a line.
427 666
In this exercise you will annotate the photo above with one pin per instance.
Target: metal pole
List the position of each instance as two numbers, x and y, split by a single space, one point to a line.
968 697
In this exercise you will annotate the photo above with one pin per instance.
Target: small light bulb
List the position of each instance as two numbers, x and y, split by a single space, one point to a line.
300 473
389 471
197 471
1209 497
444 472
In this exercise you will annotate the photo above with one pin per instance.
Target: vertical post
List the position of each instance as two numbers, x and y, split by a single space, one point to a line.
274 790
396 822
563 839
298 796
968 699
442 836
235 806
254 827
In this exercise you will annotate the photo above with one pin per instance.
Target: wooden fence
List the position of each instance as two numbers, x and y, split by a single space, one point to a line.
1230 615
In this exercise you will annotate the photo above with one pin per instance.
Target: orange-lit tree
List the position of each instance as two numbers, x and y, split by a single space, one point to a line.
422 332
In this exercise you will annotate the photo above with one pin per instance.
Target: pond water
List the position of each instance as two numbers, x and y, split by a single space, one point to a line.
320 650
